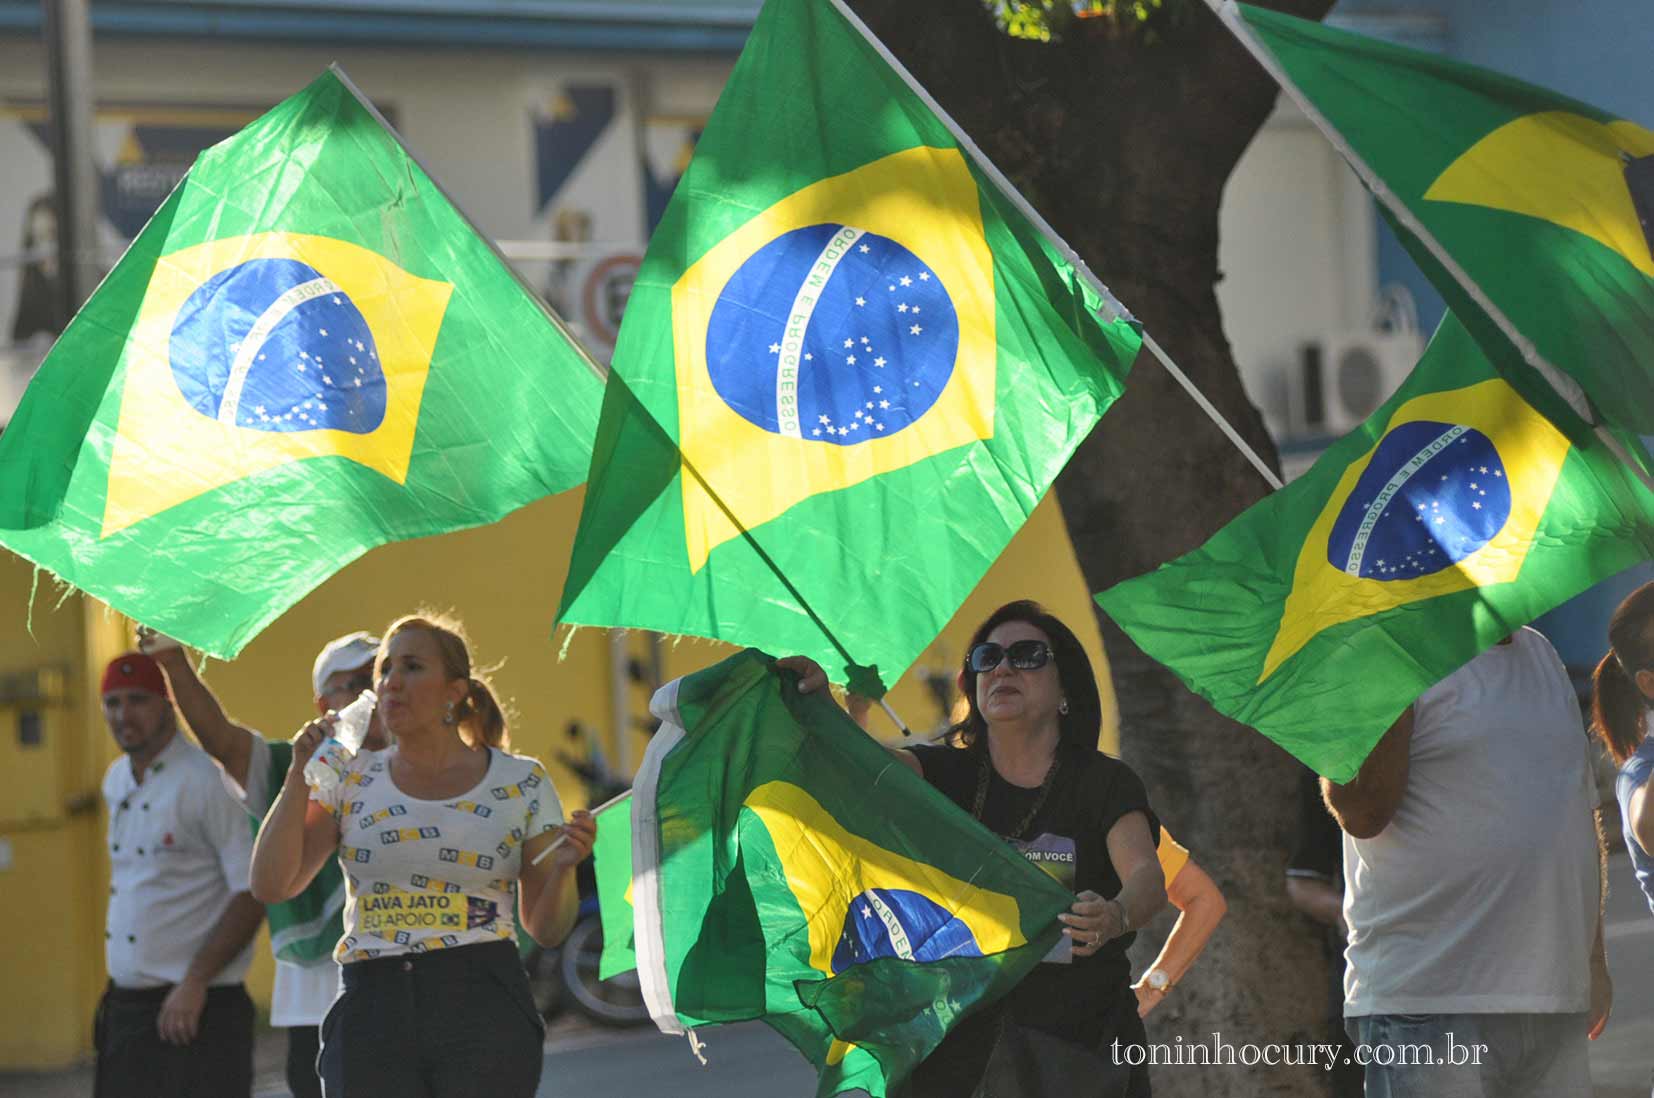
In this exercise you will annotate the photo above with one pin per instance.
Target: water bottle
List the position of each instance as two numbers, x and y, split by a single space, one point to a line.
326 767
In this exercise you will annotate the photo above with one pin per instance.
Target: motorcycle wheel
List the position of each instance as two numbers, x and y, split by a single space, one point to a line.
617 1001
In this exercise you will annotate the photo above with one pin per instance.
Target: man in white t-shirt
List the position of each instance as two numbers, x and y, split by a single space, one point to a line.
304 930
175 1019
1473 896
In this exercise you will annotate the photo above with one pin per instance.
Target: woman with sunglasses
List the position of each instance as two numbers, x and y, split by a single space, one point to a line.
1024 761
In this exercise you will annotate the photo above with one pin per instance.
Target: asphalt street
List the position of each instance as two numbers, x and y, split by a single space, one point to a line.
750 1061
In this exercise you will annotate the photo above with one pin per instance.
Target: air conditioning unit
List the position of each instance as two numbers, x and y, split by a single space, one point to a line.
1342 379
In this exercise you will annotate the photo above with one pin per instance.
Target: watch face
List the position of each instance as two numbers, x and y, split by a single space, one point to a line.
1158 980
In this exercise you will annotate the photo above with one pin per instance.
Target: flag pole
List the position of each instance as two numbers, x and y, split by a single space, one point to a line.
598 811
1027 210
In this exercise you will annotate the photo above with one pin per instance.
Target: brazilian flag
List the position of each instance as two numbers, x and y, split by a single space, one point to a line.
849 370
612 866
1454 515
1530 212
306 353
786 868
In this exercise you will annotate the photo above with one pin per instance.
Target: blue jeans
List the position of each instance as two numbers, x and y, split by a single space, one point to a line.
1473 1055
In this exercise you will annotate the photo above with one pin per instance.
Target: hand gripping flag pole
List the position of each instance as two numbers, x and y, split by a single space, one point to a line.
1015 197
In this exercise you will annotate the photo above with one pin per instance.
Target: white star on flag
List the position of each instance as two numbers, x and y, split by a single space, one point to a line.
924 276
865 249
849 343
904 280
879 362
849 360
861 301
915 330
775 348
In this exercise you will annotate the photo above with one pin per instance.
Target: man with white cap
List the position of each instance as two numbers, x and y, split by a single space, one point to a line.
304 930
175 1018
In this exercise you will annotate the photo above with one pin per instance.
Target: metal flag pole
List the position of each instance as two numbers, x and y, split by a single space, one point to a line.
1015 197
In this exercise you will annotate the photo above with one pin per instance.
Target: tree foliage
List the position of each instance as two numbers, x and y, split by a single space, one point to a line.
1050 20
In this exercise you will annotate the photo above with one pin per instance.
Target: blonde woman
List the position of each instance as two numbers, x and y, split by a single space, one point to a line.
436 835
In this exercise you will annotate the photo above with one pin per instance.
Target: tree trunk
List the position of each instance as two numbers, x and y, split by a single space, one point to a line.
1124 144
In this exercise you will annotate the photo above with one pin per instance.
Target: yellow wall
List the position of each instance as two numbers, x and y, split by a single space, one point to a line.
54 872
504 581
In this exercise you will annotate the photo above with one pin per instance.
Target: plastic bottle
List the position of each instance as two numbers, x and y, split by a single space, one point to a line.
348 733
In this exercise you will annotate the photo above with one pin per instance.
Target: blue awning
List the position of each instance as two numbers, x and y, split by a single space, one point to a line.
693 26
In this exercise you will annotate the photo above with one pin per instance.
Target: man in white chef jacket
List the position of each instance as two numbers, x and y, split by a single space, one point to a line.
175 1018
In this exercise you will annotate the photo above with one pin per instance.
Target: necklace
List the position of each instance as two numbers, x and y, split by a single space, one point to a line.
982 772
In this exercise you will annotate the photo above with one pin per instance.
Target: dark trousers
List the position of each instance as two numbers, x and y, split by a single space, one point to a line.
452 1023
304 1044
133 1061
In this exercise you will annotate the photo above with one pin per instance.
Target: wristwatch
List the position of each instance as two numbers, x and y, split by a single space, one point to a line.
1157 980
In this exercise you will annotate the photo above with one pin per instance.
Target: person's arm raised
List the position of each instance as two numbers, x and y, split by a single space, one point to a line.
298 834
219 736
811 677
1366 805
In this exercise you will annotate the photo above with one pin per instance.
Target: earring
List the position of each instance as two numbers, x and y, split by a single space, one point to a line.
448 715
1062 707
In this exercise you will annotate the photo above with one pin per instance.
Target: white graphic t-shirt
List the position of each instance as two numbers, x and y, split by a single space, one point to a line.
423 875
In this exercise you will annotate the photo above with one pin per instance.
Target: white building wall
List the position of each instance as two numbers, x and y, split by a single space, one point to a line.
1298 254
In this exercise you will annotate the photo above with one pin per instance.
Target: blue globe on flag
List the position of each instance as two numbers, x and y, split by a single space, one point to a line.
275 345
897 922
1433 494
832 334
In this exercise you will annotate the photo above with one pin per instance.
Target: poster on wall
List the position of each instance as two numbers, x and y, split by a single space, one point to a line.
601 185
140 152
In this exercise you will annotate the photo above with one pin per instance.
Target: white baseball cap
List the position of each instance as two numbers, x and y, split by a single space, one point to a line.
345 653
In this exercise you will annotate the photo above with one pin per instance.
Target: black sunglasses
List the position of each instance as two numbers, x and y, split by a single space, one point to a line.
1025 655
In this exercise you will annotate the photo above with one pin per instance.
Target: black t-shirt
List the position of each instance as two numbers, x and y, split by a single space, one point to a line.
1320 849
1076 1000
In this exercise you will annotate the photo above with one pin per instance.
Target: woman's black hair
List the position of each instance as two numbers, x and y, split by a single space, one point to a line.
1617 705
1083 722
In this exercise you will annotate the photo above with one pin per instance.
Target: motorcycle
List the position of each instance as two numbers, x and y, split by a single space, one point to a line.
569 973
